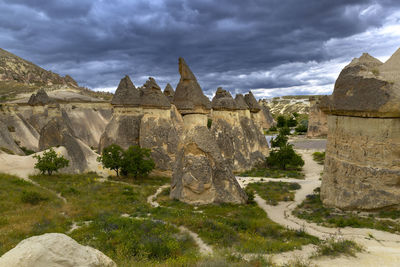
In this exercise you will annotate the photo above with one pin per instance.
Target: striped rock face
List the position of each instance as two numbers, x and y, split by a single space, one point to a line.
362 165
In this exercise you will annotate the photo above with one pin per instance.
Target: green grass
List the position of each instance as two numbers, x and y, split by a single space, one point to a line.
312 210
149 236
333 248
244 228
273 173
319 157
6 150
274 192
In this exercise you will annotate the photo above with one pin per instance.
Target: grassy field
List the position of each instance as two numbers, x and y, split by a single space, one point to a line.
313 210
273 173
115 218
243 228
274 192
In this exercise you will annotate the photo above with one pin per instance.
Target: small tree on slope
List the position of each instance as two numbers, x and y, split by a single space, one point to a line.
50 162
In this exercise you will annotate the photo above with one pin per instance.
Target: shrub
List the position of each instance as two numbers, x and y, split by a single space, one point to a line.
334 247
284 157
273 129
50 162
32 198
291 122
250 196
284 131
27 151
280 121
279 140
209 123
301 128
6 150
319 157
137 161
112 157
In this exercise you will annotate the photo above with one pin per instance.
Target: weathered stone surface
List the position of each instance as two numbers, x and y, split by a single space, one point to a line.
269 120
201 175
152 97
223 100
40 98
317 120
362 165
169 93
189 97
252 102
57 250
361 90
58 132
126 94
240 102
7 143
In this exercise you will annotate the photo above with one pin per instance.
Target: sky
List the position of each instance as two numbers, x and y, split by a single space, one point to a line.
272 47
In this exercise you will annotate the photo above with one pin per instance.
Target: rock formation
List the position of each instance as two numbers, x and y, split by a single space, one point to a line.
169 93
7 144
40 98
261 116
317 120
362 164
201 175
144 117
54 250
239 139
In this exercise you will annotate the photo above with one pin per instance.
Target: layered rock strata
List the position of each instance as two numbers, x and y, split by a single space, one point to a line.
362 164
201 175
238 138
317 120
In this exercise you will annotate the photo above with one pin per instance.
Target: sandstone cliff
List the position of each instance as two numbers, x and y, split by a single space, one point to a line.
362 165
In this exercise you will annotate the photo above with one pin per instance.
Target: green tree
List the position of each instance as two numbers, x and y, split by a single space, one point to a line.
50 162
279 140
284 157
112 157
137 161
280 121
284 131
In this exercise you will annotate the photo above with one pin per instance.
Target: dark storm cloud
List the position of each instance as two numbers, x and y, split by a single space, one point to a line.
237 44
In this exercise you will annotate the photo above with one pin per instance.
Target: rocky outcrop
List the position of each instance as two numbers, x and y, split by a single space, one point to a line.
317 120
126 94
40 98
169 93
261 116
252 102
201 175
7 143
148 120
362 164
189 97
239 139
54 250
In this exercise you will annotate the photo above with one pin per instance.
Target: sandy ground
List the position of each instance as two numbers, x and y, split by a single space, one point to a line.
381 248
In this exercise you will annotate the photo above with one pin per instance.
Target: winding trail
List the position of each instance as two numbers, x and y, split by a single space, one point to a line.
382 248
204 249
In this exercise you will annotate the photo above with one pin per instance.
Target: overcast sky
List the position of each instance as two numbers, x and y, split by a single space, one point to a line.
273 47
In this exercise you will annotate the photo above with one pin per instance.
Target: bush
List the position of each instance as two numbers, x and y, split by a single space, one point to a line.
301 128
134 161
284 131
291 122
250 196
284 157
27 151
209 123
273 129
112 157
280 121
50 162
319 157
137 161
279 140
32 198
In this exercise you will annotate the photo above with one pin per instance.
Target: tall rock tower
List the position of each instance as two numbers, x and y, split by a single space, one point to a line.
201 175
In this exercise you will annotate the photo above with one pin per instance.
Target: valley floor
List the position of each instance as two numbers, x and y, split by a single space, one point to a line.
135 222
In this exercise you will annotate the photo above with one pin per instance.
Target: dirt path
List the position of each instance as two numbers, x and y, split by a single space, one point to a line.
382 248
204 249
